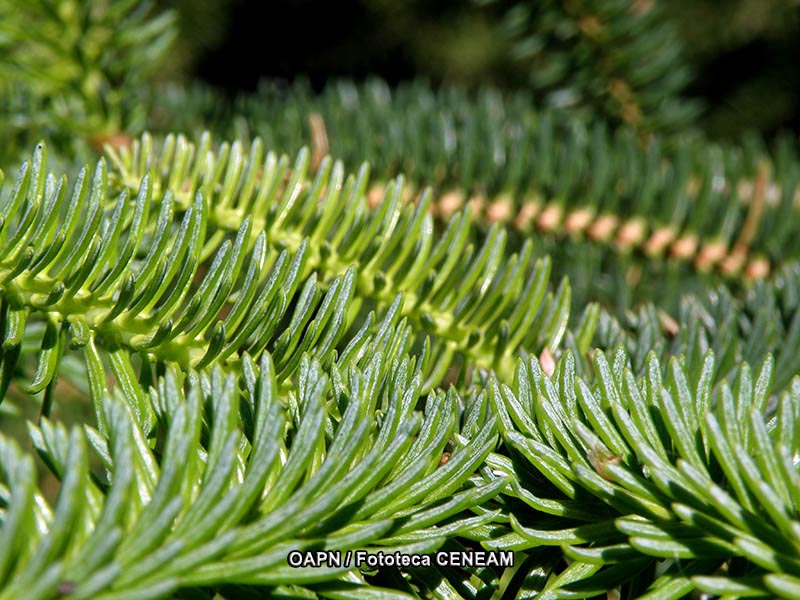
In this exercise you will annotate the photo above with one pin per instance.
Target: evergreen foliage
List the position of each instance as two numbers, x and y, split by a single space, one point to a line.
391 320
657 486
558 179
618 58
240 481
84 58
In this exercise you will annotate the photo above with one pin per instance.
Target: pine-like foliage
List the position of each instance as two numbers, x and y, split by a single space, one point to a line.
390 321
656 486
618 58
73 66
244 477
678 213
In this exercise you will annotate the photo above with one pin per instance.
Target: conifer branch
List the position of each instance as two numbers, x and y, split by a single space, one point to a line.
479 301
81 62
665 473
737 327
619 59
246 476
282 356
541 172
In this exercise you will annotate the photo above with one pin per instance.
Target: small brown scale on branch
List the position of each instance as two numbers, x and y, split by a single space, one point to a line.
685 247
631 233
602 228
526 215
710 255
547 362
578 220
757 268
658 241
477 204
599 463
319 140
116 141
500 211
628 235
450 203
550 218
375 196
668 325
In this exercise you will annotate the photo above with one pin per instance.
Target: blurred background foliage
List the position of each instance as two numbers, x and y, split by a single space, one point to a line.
743 55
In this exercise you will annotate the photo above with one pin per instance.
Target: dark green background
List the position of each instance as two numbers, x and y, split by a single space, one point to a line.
745 54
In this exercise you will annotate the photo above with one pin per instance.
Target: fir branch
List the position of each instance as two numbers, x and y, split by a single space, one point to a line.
620 59
84 60
477 301
178 284
121 274
539 172
659 470
245 477
738 327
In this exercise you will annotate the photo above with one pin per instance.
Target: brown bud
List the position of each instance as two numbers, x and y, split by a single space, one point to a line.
659 240
757 268
500 210
603 228
578 220
684 247
549 218
631 233
526 215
